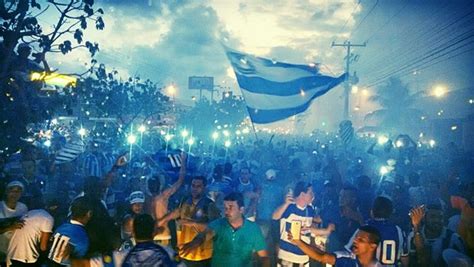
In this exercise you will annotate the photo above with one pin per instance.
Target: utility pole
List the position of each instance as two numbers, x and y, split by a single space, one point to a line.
349 59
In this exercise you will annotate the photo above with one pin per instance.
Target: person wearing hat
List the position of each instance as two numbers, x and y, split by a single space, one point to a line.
136 200
12 209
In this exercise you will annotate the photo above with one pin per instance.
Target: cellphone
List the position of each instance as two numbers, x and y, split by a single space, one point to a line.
296 229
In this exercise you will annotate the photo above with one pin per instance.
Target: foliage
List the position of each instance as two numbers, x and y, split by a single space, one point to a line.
20 99
203 118
396 111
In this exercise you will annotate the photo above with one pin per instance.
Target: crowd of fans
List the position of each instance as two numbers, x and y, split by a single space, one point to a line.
275 203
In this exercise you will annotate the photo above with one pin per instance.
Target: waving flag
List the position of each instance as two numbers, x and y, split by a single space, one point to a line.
274 90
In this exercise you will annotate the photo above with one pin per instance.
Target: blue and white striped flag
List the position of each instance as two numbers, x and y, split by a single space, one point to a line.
273 90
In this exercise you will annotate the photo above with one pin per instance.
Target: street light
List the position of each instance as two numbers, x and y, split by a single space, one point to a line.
439 91
354 89
142 129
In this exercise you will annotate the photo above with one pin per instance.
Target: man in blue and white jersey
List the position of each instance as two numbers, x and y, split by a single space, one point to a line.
301 210
391 249
70 241
361 255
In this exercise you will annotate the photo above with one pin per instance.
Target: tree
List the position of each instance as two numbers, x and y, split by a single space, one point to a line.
20 24
396 111
203 118
19 100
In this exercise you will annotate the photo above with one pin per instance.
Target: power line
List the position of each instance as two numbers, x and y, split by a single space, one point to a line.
403 58
365 17
436 54
350 16
421 32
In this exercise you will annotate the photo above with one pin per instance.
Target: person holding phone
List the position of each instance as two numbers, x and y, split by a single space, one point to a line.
362 253
297 214
430 238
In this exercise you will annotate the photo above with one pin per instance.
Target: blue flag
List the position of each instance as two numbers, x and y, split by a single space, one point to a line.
273 90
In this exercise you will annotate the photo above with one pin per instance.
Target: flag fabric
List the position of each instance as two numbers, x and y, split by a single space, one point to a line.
273 90
70 152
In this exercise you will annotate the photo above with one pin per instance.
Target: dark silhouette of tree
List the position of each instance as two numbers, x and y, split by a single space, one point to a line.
20 102
397 112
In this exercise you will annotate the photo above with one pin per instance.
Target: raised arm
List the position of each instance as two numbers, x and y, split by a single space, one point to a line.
182 174
121 161
313 252
281 209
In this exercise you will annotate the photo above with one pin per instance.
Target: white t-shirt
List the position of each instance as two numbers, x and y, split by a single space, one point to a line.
6 212
24 244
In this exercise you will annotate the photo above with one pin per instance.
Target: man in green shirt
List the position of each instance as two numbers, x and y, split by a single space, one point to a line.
235 238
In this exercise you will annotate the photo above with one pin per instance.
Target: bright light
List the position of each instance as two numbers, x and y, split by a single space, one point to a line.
191 141
245 131
47 143
142 128
162 132
423 118
381 140
82 132
439 91
55 79
215 135
384 170
54 121
471 101
184 133
227 143
432 143
399 143
171 89
238 132
454 127
365 92
226 94
355 89
168 137
226 133
302 93
131 139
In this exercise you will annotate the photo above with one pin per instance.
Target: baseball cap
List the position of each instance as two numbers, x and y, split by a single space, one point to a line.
136 197
270 174
15 183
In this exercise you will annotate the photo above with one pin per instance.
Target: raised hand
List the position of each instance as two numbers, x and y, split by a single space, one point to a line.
417 214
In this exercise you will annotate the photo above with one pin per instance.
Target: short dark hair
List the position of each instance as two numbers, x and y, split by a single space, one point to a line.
301 187
80 207
201 178
374 234
143 226
382 207
235 196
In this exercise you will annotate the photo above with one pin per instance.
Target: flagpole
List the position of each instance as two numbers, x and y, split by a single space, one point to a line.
254 131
